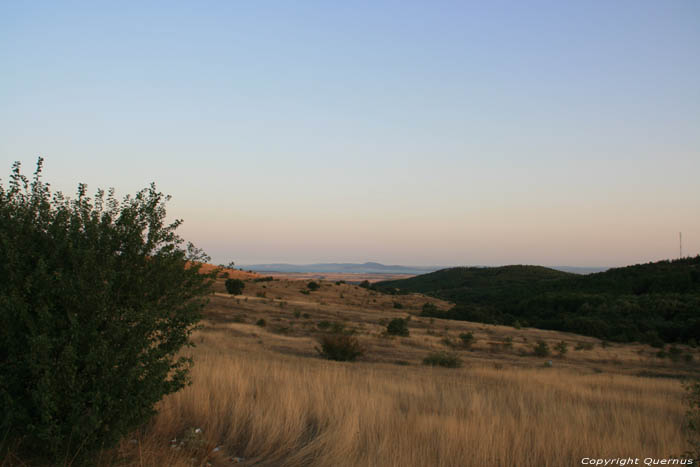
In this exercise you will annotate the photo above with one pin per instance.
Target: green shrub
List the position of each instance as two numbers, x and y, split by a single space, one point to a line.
541 349
261 322
234 286
306 316
365 284
517 325
324 324
674 353
312 286
264 279
562 348
96 301
398 327
297 314
398 305
467 339
340 347
304 291
429 309
261 294
339 282
446 359
584 346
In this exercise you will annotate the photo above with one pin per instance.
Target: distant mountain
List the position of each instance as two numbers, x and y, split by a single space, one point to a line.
579 269
653 303
348 268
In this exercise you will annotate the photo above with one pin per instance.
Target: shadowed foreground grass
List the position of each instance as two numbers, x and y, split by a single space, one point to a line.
273 409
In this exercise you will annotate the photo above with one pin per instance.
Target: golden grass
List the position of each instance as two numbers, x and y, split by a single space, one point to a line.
274 409
262 395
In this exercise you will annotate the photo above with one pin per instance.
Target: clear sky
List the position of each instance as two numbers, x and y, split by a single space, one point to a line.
433 132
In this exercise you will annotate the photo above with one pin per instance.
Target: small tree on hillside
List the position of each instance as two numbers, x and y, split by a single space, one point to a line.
312 286
398 327
97 297
234 286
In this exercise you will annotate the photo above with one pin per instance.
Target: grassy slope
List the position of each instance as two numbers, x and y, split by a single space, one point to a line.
263 394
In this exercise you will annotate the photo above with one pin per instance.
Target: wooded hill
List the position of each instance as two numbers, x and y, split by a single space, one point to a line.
654 302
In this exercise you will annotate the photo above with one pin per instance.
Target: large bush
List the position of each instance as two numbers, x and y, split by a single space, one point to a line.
234 286
97 296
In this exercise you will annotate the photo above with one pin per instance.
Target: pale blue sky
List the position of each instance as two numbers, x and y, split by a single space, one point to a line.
403 132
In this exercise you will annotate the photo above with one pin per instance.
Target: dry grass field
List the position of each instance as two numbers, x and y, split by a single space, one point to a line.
261 395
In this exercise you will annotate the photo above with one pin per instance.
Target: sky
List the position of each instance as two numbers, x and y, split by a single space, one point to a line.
419 133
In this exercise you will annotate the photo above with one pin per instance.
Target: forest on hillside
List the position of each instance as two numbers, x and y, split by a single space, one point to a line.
653 303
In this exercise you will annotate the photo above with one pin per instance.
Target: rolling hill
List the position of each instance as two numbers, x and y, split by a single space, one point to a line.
654 302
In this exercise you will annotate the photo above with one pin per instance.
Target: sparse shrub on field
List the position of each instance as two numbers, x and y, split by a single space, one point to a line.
428 309
337 327
604 344
541 349
365 284
323 324
241 318
261 322
306 316
313 286
467 339
517 325
446 359
448 341
398 305
85 285
261 294
562 348
264 279
508 343
340 347
674 353
584 346
234 286
398 327
305 291
297 313
339 282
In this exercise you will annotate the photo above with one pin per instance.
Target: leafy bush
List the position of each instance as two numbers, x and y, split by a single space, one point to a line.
584 346
541 349
398 305
562 348
261 322
340 347
429 309
398 327
312 286
446 359
264 279
234 286
323 324
97 297
467 339
365 284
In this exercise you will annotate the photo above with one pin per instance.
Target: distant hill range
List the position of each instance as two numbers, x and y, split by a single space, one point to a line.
376 268
654 302
347 268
